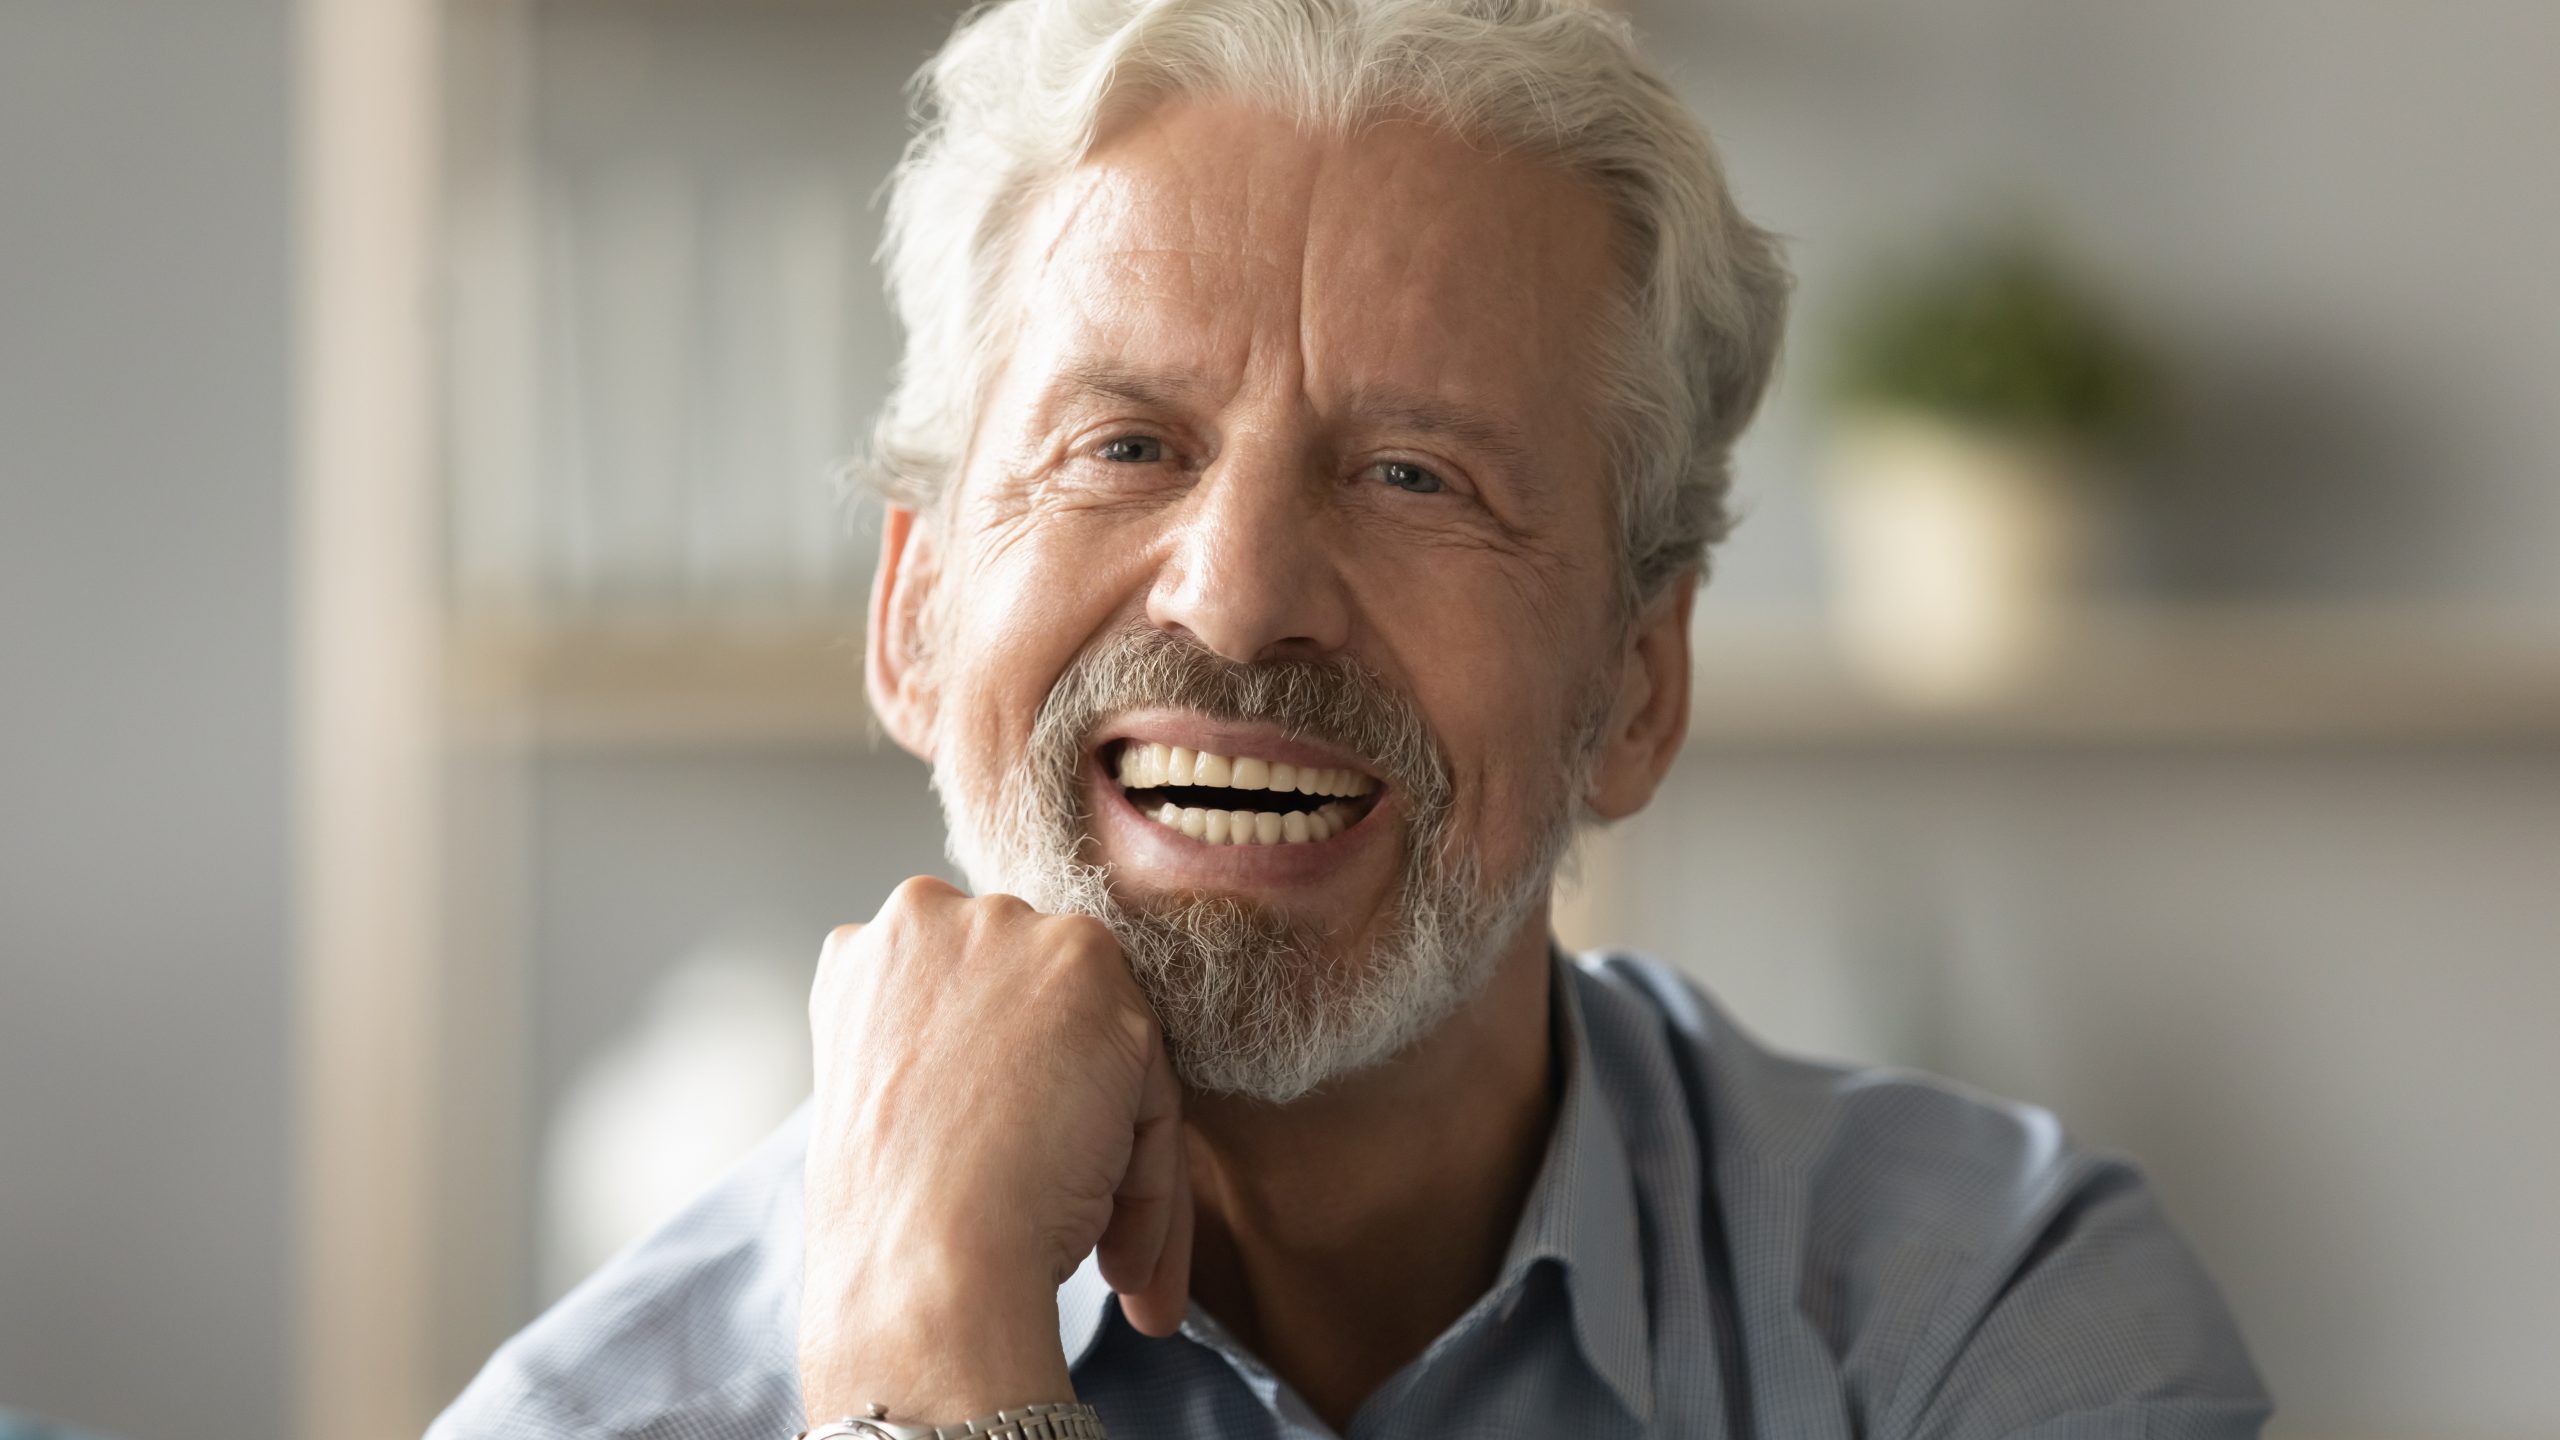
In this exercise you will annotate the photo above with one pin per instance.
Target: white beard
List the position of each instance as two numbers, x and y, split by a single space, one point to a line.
1253 1004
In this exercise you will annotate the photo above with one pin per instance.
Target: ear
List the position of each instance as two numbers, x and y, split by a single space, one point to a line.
1649 720
895 670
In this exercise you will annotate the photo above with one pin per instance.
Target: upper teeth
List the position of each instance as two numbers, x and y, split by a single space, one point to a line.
1148 766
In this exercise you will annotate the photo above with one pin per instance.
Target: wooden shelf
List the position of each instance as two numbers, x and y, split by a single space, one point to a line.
2147 674
2144 674
791 680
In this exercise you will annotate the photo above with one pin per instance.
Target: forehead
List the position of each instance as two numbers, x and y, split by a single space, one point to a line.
1222 241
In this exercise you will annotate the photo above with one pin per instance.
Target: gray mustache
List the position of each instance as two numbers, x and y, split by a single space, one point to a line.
1336 701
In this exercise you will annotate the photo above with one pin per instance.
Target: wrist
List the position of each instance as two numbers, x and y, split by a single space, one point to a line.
934 1336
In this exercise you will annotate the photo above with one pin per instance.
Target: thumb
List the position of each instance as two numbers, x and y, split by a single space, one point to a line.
1158 1308
1146 1248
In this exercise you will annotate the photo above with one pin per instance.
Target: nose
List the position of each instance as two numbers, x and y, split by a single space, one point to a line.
1250 574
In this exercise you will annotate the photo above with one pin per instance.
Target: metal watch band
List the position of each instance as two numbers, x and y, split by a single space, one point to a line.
1029 1422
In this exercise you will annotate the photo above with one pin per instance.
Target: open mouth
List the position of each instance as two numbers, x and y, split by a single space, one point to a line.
1239 799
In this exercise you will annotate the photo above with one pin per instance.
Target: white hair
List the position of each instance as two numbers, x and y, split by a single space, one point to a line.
1025 87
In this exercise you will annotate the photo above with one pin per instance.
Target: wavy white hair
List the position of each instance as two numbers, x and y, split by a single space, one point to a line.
1024 87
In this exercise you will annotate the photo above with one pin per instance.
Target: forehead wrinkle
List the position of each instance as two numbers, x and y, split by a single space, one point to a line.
1154 244
1142 230
1139 253
1240 225
1436 238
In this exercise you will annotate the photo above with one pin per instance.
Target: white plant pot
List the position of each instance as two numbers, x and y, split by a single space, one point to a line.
1956 552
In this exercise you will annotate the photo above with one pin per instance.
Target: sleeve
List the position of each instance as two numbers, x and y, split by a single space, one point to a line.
691 1333
2106 1328
482 1415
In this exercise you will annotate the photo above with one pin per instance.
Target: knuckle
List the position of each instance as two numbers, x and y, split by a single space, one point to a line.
835 956
1085 956
992 917
920 892
839 941
1138 1036
822 980
1082 937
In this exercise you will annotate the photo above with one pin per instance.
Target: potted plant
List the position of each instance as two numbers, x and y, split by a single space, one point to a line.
1978 400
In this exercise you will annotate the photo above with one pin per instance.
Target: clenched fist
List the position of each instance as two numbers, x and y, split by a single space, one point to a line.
993 1103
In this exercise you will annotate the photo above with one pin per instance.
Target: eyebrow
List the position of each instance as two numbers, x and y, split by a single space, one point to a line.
1427 415
1112 380
1384 406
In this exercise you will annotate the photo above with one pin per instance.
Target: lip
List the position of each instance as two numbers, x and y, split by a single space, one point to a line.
1146 853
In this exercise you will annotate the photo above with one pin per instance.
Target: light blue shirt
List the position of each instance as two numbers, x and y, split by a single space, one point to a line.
1721 1242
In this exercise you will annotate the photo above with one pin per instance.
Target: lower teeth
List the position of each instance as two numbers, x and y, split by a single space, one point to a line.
1255 827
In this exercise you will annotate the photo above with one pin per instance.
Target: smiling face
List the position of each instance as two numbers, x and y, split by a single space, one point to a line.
1271 614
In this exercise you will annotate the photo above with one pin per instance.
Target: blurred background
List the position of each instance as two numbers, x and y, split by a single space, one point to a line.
433 746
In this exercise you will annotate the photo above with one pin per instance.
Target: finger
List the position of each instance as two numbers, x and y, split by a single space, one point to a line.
1159 1309
1142 1205
1142 1208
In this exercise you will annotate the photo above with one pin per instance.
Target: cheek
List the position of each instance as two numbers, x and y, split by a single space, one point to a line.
1520 766
1025 600
1502 682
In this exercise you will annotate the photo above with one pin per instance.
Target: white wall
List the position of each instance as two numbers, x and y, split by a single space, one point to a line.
145 161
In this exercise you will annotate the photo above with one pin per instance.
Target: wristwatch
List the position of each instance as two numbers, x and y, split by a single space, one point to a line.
1031 1422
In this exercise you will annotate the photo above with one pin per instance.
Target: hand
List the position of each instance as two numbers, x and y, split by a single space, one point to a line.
993 1102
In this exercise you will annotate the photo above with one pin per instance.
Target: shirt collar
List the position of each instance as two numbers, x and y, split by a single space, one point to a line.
1581 1214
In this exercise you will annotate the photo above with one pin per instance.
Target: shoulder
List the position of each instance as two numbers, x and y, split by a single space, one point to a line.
1955 1262
1899 1145
691 1330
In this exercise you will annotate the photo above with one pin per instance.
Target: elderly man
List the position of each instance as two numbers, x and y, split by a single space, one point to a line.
1315 416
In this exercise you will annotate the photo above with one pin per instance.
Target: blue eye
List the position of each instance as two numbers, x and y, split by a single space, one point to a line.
1410 477
1132 450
